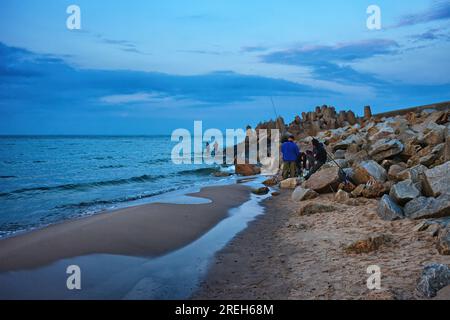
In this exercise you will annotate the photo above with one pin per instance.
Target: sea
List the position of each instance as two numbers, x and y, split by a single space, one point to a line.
49 179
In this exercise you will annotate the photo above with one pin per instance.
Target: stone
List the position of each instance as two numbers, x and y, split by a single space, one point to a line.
341 196
368 245
433 229
413 173
302 194
404 191
275 194
443 244
325 180
436 181
313 208
342 163
426 208
261 191
270 182
358 191
385 148
434 277
344 144
339 154
422 226
247 169
435 135
355 157
290 183
368 170
395 170
443 294
347 187
373 190
220 174
389 210
367 113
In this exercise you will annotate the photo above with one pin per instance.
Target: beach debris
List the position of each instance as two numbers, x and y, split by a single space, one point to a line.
389 210
302 194
290 183
436 181
404 191
434 277
261 191
324 180
247 170
373 243
443 244
313 208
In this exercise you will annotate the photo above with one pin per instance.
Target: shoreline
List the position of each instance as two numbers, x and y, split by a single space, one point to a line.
132 231
282 255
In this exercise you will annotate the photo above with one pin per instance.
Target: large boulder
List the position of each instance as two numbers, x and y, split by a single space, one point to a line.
385 148
426 208
434 277
368 170
436 181
302 194
389 210
404 191
434 134
325 180
247 170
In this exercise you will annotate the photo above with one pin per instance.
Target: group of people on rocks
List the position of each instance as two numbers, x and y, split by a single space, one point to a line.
295 162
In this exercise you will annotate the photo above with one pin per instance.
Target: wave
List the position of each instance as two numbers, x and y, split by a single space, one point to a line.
93 203
86 185
200 171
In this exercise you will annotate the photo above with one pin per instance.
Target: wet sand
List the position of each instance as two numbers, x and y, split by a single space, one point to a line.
148 230
283 255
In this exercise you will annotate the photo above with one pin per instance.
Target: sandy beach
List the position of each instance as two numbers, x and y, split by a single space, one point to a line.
147 230
283 255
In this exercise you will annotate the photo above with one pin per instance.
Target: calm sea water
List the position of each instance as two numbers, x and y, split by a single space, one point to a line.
45 180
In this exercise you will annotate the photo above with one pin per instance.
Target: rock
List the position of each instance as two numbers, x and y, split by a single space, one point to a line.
302 194
373 190
368 245
443 244
433 229
395 170
351 140
290 183
447 145
413 173
342 163
358 191
404 191
435 135
425 208
347 187
247 170
341 196
325 180
221 174
270 182
355 157
276 194
261 191
434 277
367 113
385 148
365 171
422 226
389 210
339 154
313 208
436 181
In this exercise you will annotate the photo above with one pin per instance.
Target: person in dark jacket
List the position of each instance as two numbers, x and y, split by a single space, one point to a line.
290 152
320 155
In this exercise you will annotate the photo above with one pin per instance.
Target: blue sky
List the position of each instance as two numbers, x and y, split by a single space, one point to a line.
149 67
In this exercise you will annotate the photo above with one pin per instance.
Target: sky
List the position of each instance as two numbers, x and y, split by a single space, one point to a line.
150 67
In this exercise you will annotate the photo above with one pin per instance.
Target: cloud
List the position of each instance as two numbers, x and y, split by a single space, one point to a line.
62 84
432 34
438 10
343 52
251 49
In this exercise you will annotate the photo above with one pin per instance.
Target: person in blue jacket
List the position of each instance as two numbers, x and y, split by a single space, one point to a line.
290 152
